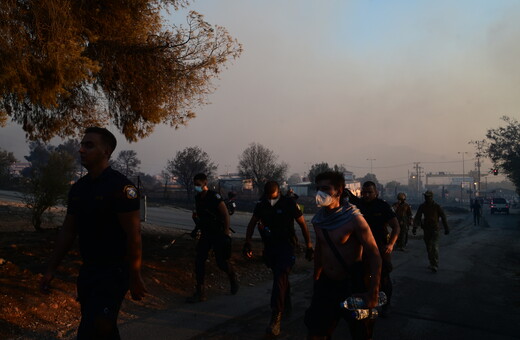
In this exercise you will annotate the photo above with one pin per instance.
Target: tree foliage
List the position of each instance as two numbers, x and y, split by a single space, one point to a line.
68 64
127 163
370 177
318 168
189 162
48 181
260 164
6 160
503 147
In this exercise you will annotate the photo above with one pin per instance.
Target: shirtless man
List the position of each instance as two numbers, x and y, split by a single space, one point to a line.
337 277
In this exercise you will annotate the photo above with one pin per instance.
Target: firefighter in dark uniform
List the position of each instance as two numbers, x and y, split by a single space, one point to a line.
103 210
275 215
379 215
212 224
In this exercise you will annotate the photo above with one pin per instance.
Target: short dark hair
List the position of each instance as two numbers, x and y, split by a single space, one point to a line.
369 184
200 177
336 179
270 187
107 137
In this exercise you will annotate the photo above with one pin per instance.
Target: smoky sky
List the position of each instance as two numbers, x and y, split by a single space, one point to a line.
346 81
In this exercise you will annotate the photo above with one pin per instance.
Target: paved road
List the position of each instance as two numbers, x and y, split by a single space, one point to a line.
475 295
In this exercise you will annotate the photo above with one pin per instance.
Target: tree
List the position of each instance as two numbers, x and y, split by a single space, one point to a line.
6 160
189 162
148 183
503 147
71 146
127 163
68 64
48 184
260 164
317 169
370 177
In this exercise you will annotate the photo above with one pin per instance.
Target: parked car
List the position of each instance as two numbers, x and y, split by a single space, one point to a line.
499 205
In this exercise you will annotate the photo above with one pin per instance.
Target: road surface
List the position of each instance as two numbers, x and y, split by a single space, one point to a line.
475 295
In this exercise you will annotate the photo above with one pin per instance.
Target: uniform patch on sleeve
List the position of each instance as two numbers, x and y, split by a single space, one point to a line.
130 191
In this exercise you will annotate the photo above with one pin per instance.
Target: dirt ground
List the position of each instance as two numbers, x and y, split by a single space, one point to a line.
167 270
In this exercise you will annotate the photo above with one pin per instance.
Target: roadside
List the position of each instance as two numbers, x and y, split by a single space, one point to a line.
167 270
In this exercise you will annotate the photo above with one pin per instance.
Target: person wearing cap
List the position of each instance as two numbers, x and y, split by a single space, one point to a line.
379 216
403 211
275 214
427 217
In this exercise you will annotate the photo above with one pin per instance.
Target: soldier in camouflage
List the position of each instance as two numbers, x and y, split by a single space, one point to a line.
403 211
430 225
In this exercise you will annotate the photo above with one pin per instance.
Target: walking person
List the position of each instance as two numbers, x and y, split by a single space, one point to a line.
477 212
346 262
275 214
379 215
431 212
403 212
103 211
212 225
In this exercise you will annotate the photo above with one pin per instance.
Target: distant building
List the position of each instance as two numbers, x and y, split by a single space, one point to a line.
235 182
17 168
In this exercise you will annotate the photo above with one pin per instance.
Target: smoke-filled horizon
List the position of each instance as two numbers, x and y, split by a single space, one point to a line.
344 82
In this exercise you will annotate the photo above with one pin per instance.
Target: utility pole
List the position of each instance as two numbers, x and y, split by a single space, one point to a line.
479 145
418 176
371 160
463 180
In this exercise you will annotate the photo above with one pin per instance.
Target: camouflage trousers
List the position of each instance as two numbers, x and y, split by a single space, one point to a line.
402 240
431 238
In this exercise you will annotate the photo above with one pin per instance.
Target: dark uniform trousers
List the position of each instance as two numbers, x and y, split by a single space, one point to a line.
221 245
325 311
280 258
101 290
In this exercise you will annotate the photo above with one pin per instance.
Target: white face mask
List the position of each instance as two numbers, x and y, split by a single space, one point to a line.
323 199
274 201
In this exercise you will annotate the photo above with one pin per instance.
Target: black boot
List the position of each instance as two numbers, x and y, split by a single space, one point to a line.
233 281
199 296
274 325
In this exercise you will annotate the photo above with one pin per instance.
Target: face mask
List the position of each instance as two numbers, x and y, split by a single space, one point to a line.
198 189
323 199
273 201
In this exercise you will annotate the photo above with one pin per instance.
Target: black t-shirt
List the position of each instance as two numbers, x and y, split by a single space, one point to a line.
207 211
95 203
278 218
377 214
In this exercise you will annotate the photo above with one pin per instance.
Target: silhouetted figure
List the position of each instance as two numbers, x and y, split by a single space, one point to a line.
477 212
430 225
275 215
212 230
403 212
379 215
103 210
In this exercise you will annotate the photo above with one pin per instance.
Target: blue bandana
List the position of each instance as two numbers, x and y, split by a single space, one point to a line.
331 220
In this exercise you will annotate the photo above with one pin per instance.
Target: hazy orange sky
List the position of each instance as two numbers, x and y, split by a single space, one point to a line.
346 81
